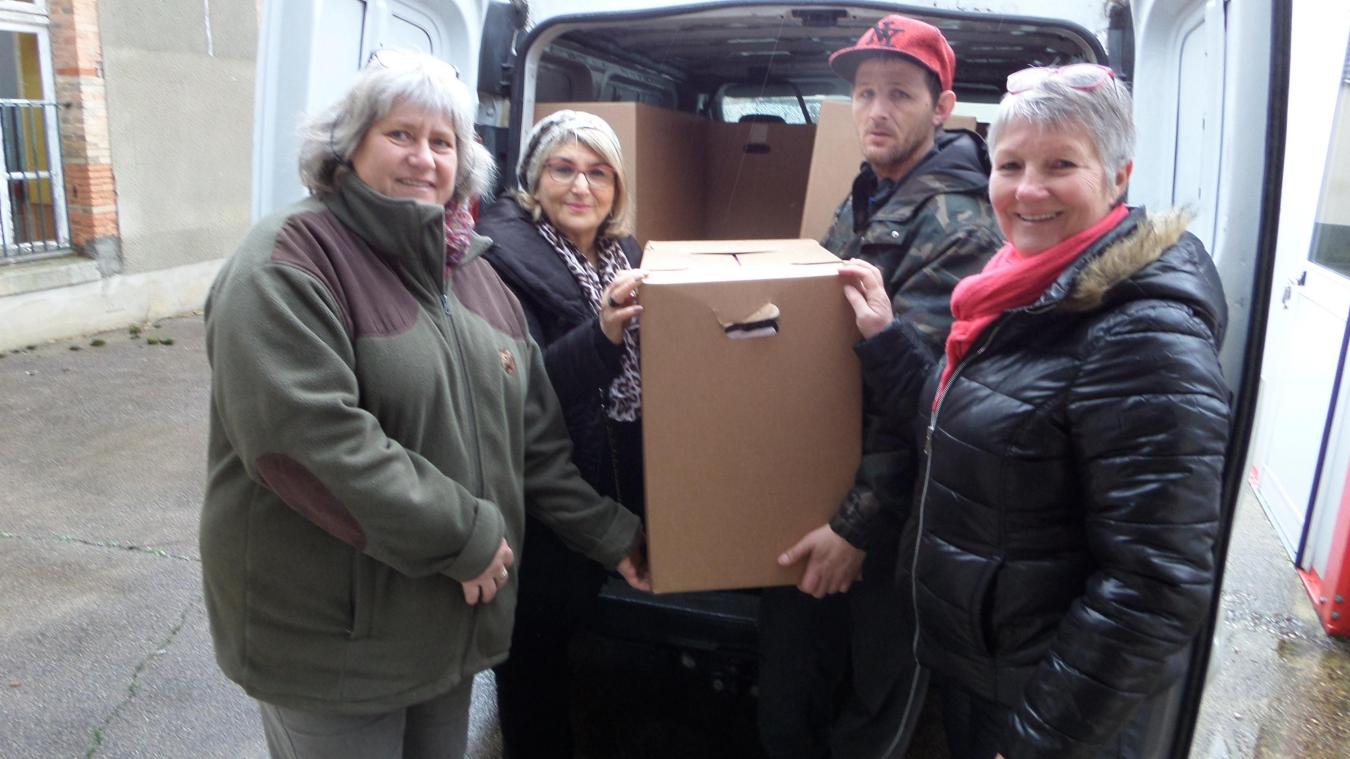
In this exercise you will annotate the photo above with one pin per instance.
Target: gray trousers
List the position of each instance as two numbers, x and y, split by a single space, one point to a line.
434 729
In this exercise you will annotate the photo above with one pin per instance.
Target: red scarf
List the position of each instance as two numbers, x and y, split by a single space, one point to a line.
1011 279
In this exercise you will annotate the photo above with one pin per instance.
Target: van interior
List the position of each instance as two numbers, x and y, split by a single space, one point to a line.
745 132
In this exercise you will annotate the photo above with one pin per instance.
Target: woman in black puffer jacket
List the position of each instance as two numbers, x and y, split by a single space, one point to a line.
1074 440
561 242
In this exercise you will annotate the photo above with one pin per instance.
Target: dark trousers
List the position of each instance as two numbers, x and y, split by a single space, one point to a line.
557 596
836 678
558 589
974 726
803 671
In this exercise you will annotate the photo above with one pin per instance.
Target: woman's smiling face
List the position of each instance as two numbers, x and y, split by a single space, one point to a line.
576 208
409 153
1049 184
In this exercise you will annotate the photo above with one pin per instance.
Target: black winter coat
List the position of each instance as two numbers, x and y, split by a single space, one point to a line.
580 360
1070 500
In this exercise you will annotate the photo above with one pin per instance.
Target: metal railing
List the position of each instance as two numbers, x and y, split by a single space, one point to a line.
33 222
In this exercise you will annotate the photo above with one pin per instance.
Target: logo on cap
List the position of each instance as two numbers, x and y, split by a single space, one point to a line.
920 42
885 31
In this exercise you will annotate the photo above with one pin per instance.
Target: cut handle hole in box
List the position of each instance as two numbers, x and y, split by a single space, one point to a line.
762 322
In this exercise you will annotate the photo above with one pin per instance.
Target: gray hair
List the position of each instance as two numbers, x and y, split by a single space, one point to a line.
589 131
329 138
1103 113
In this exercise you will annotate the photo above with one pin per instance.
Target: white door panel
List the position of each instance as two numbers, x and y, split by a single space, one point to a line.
1307 320
1298 403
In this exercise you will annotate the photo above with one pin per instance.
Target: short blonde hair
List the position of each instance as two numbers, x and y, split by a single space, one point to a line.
329 139
591 132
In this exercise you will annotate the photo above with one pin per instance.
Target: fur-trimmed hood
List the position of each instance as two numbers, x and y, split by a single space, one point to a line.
1146 256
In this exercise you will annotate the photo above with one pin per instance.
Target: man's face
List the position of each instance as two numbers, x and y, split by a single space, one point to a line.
894 112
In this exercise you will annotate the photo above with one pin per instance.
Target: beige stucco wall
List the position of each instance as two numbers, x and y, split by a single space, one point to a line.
180 111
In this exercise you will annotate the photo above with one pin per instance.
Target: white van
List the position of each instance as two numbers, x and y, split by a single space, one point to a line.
1212 95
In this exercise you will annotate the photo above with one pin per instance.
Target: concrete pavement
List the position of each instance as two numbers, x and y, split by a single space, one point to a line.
1281 687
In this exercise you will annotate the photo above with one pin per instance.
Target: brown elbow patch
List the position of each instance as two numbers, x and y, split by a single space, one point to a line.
309 497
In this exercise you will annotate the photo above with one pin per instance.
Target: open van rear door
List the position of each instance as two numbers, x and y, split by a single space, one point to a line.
1211 85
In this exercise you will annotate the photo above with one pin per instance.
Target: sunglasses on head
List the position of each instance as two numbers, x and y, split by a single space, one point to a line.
1080 76
390 58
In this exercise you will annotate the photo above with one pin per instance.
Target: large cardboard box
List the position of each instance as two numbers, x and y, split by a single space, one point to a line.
755 178
752 408
835 158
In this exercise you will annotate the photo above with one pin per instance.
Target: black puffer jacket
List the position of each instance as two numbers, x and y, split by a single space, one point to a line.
1070 501
580 360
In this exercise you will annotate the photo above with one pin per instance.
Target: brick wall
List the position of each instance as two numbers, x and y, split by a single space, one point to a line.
77 58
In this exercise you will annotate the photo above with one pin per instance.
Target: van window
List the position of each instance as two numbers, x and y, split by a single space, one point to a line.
1331 231
786 108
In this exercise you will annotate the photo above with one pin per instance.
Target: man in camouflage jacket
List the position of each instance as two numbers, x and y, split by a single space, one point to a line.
837 676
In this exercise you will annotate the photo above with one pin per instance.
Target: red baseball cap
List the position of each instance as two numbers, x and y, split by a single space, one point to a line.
899 35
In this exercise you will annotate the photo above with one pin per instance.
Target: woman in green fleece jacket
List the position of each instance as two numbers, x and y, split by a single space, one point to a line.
380 422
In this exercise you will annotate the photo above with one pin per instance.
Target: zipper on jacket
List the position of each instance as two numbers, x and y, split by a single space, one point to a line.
987 340
927 473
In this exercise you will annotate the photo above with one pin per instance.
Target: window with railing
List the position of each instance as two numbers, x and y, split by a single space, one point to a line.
32 198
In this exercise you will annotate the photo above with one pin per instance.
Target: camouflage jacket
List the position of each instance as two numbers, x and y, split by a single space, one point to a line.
936 227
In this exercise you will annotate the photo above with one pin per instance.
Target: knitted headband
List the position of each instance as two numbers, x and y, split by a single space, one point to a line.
550 131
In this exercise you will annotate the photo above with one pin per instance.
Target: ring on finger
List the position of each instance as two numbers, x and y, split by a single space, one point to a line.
613 303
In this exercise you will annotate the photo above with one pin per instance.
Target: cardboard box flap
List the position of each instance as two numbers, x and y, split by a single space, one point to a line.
728 254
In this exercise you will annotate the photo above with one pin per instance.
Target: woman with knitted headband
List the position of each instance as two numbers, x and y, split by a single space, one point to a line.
563 244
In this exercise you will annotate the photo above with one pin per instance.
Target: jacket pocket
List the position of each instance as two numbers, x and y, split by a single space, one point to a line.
362 596
982 622
952 587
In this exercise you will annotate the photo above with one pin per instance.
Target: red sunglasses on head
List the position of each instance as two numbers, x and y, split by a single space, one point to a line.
1080 76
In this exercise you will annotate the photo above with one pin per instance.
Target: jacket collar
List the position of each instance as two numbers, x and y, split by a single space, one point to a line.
478 245
959 163
1117 256
406 232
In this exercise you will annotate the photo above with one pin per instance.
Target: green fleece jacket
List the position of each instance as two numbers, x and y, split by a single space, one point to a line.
375 433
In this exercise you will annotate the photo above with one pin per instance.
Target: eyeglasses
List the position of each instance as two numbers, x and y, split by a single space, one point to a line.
1080 76
393 58
599 176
